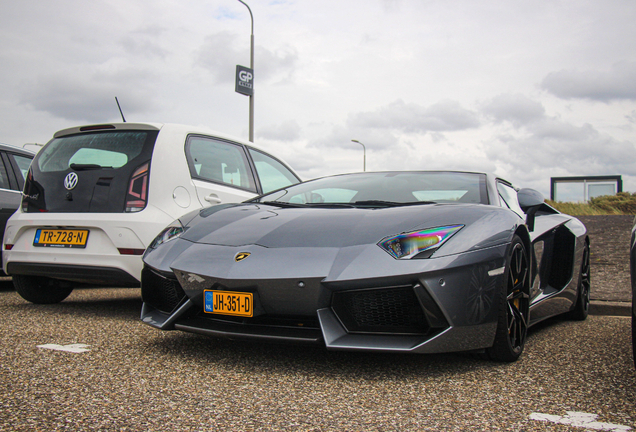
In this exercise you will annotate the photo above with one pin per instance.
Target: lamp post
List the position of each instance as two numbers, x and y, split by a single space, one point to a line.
251 67
364 154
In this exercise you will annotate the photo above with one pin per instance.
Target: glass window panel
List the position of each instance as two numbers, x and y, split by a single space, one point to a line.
596 190
219 162
271 173
509 197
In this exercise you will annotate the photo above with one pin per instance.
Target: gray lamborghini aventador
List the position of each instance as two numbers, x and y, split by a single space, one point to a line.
420 262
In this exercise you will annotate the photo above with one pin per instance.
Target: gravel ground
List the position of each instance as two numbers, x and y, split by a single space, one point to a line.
609 256
138 378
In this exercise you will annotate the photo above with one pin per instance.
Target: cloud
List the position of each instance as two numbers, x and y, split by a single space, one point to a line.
546 142
219 56
444 116
340 137
286 131
90 96
617 83
144 42
515 108
221 52
560 148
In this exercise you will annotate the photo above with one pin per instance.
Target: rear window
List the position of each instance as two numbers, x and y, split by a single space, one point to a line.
111 172
104 149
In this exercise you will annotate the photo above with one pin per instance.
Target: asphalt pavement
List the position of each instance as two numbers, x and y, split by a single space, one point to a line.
600 303
88 363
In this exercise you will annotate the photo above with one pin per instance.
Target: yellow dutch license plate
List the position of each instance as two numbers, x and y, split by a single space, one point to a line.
228 303
60 238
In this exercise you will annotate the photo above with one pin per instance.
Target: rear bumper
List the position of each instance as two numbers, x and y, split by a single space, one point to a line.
110 276
100 262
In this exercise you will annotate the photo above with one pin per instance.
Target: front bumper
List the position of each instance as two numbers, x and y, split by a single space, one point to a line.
447 306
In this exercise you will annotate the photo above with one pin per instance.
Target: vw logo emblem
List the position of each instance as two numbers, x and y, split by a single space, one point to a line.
70 181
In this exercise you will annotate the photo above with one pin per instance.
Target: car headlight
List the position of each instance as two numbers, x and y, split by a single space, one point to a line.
420 244
172 231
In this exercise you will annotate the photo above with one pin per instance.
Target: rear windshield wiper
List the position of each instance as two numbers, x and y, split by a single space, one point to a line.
380 203
83 167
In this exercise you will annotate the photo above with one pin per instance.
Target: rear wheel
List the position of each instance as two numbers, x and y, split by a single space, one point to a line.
41 289
582 306
514 306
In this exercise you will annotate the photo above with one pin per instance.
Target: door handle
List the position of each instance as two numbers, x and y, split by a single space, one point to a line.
213 199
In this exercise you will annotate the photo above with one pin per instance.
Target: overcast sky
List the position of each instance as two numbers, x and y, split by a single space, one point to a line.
527 89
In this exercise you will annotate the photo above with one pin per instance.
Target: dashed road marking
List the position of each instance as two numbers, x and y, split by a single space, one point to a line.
73 348
579 419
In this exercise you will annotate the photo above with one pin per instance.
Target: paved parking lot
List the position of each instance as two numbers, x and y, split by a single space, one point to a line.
132 377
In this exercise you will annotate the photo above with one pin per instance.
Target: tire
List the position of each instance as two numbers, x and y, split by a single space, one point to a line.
582 306
634 334
41 289
514 306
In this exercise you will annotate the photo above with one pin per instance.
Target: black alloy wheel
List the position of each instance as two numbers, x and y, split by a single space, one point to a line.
514 306
582 306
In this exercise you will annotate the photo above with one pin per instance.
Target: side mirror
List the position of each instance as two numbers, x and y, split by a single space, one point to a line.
530 201
529 198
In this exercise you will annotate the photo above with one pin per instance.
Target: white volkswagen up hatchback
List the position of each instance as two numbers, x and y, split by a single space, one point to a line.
96 196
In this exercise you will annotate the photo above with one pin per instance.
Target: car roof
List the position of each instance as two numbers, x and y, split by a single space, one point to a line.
18 150
168 127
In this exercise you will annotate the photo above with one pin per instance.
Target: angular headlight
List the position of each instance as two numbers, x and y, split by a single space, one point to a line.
172 231
412 244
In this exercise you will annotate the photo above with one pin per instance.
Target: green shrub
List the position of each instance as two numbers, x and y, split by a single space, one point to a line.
623 203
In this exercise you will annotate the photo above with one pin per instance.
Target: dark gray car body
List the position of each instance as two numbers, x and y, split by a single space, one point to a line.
317 274
632 270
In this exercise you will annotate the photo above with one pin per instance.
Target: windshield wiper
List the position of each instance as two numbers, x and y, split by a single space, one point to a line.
280 204
330 205
380 203
83 167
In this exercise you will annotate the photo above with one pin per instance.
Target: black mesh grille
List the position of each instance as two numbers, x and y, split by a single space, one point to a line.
160 292
386 310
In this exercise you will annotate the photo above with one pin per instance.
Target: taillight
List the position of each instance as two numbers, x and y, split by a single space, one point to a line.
129 251
137 195
27 183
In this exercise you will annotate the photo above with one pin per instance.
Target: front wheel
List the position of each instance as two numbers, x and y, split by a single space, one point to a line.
582 306
41 289
514 306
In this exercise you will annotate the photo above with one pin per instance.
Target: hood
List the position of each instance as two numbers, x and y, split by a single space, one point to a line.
275 227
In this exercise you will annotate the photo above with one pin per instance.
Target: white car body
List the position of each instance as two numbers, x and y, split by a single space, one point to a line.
116 241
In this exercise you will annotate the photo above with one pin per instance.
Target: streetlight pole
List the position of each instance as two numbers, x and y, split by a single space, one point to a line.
251 67
364 154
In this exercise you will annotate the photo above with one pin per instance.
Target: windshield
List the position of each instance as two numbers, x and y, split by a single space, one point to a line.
385 189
